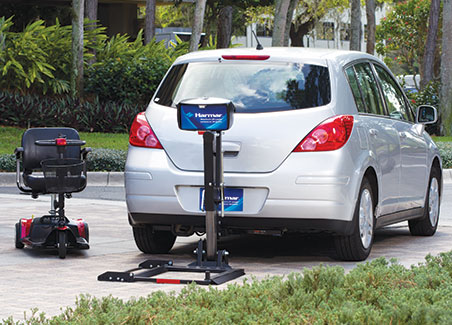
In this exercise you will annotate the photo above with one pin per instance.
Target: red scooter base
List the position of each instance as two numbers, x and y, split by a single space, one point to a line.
50 232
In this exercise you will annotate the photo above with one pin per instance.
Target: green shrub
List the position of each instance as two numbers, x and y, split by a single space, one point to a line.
377 292
38 59
44 111
7 163
106 160
132 82
445 151
127 71
99 160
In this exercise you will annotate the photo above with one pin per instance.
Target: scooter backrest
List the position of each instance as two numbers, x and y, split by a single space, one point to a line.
34 154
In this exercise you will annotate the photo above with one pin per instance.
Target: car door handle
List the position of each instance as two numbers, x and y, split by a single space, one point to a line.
402 135
373 132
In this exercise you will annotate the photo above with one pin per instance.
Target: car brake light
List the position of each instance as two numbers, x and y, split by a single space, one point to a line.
329 135
246 57
141 134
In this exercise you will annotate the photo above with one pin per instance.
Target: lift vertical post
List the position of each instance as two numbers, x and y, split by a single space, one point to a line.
212 116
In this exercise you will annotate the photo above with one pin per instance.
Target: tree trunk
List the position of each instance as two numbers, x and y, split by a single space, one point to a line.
290 11
355 26
297 34
149 21
446 68
224 27
198 22
91 14
279 24
371 26
91 9
77 48
430 44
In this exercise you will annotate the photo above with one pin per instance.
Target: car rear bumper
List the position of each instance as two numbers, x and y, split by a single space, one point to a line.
239 224
159 193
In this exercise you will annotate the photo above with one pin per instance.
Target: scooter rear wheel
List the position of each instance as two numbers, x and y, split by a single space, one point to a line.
19 243
62 244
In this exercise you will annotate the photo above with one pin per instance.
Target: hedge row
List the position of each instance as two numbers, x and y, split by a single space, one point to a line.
97 160
114 160
377 292
90 116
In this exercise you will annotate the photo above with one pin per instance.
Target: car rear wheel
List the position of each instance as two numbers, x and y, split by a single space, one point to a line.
428 223
153 242
357 246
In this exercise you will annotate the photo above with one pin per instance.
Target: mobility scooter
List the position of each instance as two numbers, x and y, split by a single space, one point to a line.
51 161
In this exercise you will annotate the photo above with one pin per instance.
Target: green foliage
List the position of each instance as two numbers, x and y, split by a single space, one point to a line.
402 34
44 111
106 160
180 15
429 96
99 160
11 139
445 150
38 59
377 292
7 163
126 71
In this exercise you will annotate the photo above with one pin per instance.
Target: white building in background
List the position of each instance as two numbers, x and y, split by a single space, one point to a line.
332 31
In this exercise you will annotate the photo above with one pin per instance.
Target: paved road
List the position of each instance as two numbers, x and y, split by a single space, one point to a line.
33 278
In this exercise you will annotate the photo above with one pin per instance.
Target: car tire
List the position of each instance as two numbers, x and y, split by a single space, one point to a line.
153 242
357 246
428 223
19 243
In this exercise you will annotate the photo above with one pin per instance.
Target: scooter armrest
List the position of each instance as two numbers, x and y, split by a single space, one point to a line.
18 152
85 151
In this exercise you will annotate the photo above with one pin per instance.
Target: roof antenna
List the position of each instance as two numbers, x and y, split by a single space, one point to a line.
259 45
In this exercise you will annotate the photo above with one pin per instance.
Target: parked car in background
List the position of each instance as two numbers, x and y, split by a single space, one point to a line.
322 141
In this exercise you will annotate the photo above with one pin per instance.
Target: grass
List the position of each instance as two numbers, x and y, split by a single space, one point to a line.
11 138
442 139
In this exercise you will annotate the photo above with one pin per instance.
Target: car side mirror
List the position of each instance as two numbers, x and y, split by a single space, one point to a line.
426 114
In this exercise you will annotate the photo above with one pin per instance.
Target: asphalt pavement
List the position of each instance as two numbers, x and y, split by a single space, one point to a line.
38 278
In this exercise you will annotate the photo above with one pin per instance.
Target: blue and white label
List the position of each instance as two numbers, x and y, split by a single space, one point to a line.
214 117
233 199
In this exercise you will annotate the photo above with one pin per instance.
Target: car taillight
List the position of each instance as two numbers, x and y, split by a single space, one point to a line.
141 134
329 135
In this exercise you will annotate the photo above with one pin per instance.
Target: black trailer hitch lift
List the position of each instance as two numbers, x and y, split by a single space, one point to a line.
214 264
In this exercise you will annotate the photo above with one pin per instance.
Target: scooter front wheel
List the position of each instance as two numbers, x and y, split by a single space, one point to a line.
62 244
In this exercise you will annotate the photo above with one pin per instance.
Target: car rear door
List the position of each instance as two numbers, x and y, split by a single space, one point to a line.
381 133
414 169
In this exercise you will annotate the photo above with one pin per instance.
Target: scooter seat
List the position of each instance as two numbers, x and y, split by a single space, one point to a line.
35 182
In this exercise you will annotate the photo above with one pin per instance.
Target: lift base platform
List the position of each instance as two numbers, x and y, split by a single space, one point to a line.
215 272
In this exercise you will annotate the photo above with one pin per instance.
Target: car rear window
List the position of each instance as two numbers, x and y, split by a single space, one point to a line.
251 86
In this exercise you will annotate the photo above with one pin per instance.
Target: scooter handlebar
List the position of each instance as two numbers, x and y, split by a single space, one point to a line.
60 142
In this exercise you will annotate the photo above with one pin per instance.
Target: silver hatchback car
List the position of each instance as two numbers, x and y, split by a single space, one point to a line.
322 141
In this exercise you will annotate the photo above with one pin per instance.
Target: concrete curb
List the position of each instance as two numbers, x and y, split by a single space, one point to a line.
117 178
94 179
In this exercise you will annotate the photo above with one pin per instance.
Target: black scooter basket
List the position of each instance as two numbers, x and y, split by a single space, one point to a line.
63 175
